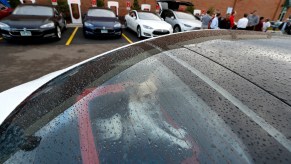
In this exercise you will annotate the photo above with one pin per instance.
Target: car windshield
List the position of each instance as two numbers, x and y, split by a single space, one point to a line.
148 16
101 13
33 10
182 15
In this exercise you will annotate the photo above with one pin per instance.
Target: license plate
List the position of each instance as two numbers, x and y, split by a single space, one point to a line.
104 31
25 33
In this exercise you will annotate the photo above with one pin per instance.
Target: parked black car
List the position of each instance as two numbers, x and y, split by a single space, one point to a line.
33 21
101 22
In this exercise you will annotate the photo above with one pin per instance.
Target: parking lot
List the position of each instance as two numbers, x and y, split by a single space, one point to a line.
26 61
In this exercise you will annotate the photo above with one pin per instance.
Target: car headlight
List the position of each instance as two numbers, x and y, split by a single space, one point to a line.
118 25
186 25
3 26
88 24
147 27
48 25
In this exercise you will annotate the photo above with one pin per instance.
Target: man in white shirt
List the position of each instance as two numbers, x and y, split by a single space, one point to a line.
243 22
214 23
266 25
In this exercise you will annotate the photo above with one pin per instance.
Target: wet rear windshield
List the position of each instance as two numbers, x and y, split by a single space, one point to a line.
149 104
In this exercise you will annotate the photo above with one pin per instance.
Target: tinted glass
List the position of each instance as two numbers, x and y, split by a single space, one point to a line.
182 15
148 16
101 13
33 10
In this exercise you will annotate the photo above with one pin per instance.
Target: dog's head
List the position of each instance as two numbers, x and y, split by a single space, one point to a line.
145 91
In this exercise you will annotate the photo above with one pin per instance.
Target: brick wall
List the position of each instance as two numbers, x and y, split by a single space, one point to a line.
267 8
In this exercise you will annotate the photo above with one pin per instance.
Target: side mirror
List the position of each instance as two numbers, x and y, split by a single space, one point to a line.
162 19
134 17
172 17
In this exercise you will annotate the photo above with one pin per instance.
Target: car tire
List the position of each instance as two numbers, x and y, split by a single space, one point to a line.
58 33
177 28
138 31
119 36
65 26
85 35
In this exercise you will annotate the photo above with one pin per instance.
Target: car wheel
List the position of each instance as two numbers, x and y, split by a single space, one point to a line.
58 33
85 35
65 26
177 29
119 36
138 31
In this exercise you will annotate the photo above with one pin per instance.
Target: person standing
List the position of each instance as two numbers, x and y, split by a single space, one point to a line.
253 20
259 27
243 22
224 23
214 24
231 19
285 27
266 25
205 20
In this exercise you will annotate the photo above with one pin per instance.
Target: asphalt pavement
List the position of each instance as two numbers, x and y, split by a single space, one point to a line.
22 62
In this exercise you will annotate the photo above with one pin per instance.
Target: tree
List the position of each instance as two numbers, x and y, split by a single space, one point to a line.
14 3
100 3
63 7
135 5
190 9
211 10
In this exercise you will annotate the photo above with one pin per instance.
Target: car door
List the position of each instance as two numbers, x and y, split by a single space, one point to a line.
59 18
131 18
170 18
172 4
135 21
4 11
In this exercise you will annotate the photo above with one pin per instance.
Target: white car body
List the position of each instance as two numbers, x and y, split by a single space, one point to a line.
148 28
180 21
181 24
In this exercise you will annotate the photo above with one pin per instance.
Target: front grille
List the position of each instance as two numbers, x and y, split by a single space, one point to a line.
161 32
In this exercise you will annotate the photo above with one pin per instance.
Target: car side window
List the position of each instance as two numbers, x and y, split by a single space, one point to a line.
56 12
171 14
163 15
132 14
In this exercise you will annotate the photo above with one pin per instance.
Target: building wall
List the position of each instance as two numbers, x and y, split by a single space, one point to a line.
268 8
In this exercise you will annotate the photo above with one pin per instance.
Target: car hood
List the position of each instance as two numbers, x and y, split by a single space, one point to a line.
193 23
158 24
26 21
101 21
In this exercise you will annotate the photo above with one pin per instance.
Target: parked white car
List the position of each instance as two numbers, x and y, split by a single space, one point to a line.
180 21
147 24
